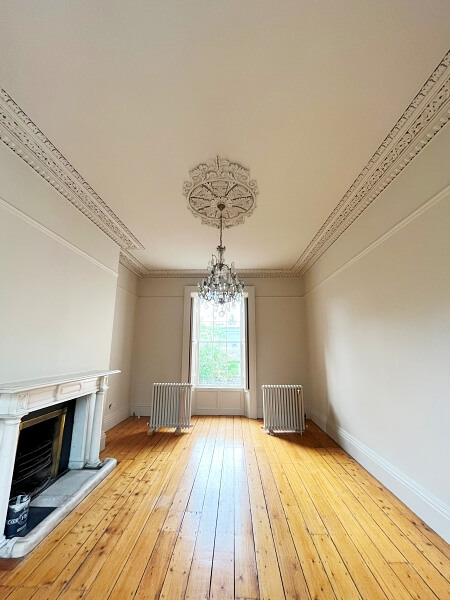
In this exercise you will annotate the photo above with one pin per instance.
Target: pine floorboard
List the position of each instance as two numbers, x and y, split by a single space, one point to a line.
226 511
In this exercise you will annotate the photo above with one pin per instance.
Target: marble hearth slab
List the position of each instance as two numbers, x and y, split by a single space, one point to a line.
64 489
65 494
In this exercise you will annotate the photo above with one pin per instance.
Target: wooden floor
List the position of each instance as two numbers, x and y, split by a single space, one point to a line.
227 511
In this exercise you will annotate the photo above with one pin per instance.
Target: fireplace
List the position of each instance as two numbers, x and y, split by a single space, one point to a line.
50 437
42 453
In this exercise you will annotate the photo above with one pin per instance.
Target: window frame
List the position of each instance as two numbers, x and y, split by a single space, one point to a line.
196 341
250 389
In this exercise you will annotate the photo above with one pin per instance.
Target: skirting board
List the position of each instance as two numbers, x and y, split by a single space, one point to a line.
140 410
434 512
144 411
217 412
111 421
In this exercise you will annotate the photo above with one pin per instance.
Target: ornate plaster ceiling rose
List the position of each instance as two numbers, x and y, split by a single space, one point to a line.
220 186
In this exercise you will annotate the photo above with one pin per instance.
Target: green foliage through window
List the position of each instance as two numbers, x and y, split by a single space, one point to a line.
219 347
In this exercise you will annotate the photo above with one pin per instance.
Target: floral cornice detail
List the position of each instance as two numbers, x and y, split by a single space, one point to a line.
220 182
196 273
132 264
24 138
421 121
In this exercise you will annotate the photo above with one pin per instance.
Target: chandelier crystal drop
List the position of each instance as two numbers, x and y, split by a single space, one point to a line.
222 285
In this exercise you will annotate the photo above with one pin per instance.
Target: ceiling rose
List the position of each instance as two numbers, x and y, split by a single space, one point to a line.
220 183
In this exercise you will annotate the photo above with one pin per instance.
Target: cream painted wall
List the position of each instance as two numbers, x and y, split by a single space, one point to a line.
281 342
57 277
378 314
280 334
117 407
157 347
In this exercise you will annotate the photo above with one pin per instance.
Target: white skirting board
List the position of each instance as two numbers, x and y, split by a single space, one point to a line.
140 410
434 512
218 412
111 421
144 411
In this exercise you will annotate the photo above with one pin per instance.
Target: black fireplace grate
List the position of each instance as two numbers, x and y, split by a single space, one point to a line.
30 464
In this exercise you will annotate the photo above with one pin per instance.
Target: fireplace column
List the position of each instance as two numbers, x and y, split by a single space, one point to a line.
94 447
81 432
9 433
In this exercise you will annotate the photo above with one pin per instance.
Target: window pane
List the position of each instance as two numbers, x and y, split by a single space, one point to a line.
205 364
219 346
207 311
234 333
234 351
220 319
234 316
220 332
206 331
219 363
234 364
233 373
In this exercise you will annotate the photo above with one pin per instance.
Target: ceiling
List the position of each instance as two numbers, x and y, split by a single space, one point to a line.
136 94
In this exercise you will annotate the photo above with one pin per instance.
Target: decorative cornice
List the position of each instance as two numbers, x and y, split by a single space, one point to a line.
132 264
264 273
24 138
421 121
220 182
199 273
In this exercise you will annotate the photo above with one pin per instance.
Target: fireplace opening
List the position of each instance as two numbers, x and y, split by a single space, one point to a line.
42 455
38 453
43 447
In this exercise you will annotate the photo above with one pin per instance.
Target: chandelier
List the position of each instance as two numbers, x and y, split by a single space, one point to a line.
220 193
222 285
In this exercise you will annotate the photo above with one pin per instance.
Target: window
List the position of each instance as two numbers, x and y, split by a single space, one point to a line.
218 352
190 356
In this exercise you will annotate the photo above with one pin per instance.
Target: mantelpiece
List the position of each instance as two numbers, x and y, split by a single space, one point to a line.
20 398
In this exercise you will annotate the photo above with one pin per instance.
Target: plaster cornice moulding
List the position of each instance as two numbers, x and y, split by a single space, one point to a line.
422 120
24 138
132 264
198 273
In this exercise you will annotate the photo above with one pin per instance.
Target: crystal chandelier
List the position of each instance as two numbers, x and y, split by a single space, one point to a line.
221 285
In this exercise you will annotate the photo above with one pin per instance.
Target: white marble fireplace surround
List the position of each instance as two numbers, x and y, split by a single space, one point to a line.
85 470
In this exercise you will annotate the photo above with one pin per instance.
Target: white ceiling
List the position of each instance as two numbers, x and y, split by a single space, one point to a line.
301 92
